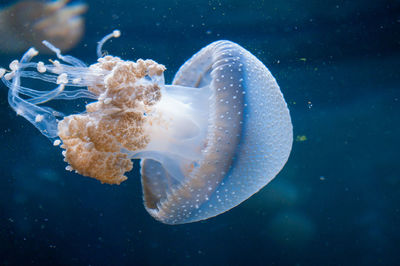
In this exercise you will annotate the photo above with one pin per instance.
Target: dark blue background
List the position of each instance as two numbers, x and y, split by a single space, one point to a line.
337 200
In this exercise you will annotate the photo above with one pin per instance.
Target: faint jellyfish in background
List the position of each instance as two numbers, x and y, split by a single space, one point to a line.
291 229
218 134
29 22
280 194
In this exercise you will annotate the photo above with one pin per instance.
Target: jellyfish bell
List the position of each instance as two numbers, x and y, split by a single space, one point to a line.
218 134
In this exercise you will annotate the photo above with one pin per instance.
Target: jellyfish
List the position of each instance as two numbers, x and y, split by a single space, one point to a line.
211 139
28 22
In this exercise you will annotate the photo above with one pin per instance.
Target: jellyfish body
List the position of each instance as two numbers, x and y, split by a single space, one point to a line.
207 142
28 22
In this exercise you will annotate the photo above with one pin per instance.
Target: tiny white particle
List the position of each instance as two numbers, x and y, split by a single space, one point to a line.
56 63
19 111
76 80
116 33
39 118
40 67
14 65
9 76
62 78
32 52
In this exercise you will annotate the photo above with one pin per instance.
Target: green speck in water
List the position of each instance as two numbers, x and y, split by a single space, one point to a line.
301 138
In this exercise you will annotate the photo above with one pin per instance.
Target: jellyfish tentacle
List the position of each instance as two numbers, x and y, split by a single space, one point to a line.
45 118
66 58
48 96
114 34
41 118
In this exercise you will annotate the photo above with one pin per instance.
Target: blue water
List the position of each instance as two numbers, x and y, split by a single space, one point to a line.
336 202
